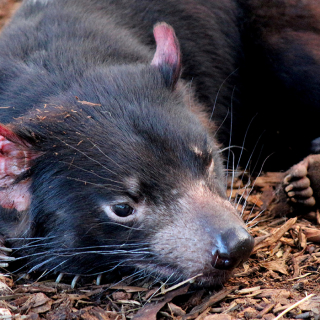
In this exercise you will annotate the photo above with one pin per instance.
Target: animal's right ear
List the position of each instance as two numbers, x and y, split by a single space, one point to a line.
15 159
167 57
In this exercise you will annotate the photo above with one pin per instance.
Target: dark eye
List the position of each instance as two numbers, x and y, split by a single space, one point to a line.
122 210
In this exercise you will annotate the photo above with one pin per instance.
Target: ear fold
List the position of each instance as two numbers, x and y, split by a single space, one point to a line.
167 56
15 157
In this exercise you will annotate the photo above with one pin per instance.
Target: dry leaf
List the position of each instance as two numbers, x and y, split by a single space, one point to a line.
278 265
177 311
312 234
311 305
149 312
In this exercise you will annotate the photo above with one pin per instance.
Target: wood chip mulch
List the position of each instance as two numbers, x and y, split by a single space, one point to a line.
281 280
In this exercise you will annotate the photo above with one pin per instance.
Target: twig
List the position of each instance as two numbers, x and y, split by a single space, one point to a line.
178 285
293 306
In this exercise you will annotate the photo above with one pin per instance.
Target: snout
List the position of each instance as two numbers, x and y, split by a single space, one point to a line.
232 247
211 240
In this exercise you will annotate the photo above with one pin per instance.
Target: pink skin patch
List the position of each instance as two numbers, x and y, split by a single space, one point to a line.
168 50
13 160
16 196
15 156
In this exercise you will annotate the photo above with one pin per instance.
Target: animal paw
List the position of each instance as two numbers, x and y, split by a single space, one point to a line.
4 258
302 182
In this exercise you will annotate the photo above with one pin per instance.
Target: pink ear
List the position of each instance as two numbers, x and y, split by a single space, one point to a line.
15 156
167 54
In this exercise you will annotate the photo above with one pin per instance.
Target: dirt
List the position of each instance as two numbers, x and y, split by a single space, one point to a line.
281 276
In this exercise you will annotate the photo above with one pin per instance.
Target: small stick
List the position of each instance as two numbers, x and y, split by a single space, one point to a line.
293 306
179 284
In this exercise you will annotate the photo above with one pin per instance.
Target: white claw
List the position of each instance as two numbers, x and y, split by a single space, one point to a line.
5 249
287 179
98 281
59 277
4 265
74 281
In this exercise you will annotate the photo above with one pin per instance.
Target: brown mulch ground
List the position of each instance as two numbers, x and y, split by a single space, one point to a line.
281 276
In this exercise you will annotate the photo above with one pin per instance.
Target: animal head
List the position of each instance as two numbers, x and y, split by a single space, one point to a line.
121 171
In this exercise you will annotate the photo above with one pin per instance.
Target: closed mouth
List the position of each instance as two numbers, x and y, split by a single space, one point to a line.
172 275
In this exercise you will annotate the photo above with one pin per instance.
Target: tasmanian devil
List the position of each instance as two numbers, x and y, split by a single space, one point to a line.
108 159
109 156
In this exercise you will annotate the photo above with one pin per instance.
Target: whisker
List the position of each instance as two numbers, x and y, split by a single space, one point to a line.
244 140
247 165
229 147
46 272
260 172
260 213
35 238
121 225
230 134
220 87
251 211
232 175
40 265
114 267
222 123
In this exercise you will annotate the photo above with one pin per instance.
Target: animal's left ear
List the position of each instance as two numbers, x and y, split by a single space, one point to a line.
167 57
15 158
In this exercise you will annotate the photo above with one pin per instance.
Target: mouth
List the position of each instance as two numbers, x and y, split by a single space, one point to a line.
171 275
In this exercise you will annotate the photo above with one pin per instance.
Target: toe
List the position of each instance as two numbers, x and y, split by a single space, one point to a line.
297 172
310 202
301 194
300 184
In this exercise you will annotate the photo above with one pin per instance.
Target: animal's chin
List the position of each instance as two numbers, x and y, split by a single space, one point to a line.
213 279
171 275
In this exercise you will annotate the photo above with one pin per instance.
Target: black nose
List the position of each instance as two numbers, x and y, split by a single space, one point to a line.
233 247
